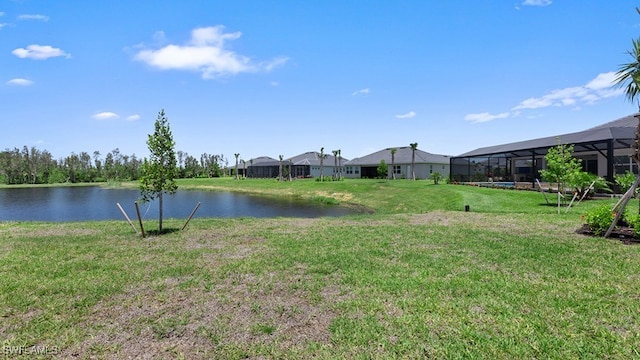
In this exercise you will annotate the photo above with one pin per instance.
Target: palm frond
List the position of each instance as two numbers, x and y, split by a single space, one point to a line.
628 75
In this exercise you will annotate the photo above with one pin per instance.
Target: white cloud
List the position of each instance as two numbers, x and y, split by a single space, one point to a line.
3 25
39 52
106 115
602 81
134 117
601 87
485 116
33 17
205 53
408 115
364 91
595 90
536 2
19 82
274 63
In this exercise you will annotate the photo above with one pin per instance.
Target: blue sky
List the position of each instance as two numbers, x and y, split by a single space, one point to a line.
285 77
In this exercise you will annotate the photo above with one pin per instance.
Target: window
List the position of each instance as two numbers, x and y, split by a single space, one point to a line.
397 169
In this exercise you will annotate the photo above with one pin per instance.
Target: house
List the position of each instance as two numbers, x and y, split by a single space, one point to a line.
302 166
262 167
605 150
308 164
425 164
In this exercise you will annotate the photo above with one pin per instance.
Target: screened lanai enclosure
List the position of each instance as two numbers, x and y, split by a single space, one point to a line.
605 150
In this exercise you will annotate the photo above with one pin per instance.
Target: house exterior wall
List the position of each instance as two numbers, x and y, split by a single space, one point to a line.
424 171
327 171
403 171
352 172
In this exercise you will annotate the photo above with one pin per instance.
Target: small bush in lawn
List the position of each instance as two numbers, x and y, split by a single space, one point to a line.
436 176
624 181
633 220
599 219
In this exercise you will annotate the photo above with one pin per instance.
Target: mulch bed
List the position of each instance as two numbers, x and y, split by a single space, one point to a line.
622 233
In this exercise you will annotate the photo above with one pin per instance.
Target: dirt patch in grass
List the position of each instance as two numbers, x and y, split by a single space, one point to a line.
241 312
203 317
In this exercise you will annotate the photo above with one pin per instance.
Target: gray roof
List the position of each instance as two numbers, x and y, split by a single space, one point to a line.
313 158
622 131
402 156
263 161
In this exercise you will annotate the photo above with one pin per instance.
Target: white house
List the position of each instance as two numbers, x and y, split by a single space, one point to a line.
425 164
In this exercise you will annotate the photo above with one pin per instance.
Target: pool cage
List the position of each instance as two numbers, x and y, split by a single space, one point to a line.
605 150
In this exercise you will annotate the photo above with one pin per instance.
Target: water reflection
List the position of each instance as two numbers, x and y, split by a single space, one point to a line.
96 203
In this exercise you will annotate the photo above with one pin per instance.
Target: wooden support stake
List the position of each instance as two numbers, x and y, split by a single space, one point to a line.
575 195
586 192
542 191
139 219
620 206
623 197
190 216
127 217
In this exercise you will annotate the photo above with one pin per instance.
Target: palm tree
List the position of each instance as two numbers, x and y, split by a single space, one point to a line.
280 171
321 162
290 163
628 76
393 161
236 155
335 164
414 147
244 166
339 164
251 165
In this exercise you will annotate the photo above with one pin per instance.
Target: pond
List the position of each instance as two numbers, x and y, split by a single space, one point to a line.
95 203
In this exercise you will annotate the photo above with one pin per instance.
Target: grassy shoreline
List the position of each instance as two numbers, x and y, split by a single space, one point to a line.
419 278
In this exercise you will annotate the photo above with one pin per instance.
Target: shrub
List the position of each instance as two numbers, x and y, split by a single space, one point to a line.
436 177
383 169
580 181
599 219
633 220
625 181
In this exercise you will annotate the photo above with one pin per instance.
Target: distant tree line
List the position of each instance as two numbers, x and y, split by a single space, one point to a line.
34 166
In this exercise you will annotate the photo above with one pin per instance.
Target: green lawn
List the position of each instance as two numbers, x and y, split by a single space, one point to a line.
419 278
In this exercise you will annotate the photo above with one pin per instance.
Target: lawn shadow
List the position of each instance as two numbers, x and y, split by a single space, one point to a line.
155 232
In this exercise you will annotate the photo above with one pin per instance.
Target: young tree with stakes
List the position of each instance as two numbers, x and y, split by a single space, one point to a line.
160 170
